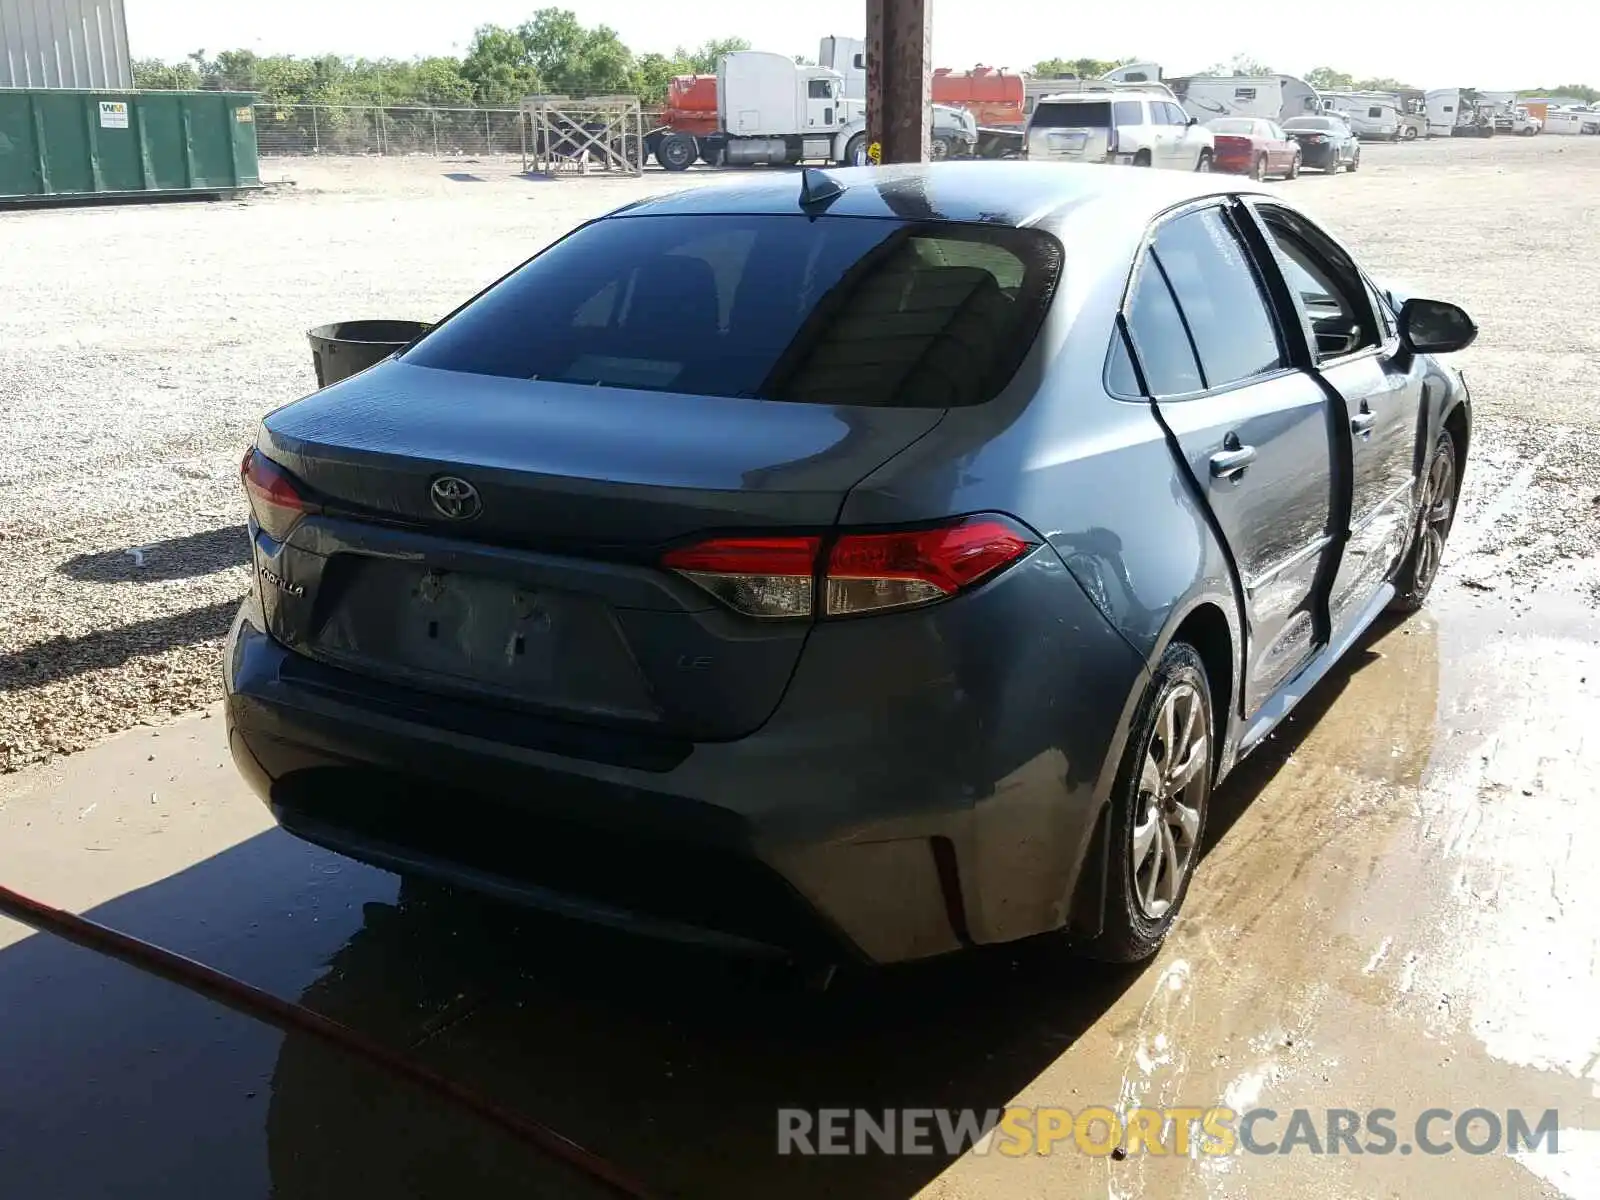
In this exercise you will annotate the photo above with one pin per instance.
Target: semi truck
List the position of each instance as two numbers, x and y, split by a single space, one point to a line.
769 110
765 109
954 123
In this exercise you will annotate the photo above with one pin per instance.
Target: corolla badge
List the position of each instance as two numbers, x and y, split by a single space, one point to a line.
455 499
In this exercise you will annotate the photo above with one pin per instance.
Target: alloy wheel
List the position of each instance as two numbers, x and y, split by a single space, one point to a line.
1166 831
1438 507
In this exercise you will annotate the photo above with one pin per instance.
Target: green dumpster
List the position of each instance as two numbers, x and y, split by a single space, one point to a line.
58 143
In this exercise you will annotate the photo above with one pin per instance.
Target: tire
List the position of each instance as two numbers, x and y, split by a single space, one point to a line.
1259 171
1436 513
1142 159
677 152
1203 165
855 151
1294 167
1528 131
1355 163
1409 134
939 149
1145 885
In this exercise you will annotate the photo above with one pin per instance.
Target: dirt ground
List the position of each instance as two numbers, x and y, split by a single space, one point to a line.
1396 907
140 345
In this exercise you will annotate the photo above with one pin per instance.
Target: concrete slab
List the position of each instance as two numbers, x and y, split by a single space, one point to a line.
1395 912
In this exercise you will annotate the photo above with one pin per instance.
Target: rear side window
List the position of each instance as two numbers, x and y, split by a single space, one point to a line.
1159 337
827 311
1086 114
1128 112
1221 299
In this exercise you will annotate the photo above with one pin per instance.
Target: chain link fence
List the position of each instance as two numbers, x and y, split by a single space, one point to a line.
284 130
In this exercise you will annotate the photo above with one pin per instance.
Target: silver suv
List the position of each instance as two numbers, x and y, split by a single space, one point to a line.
1141 129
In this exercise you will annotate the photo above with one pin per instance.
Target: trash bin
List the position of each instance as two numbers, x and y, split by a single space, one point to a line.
338 351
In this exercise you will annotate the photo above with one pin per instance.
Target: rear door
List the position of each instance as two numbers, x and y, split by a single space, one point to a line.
1252 431
1132 129
1280 150
1176 152
1383 388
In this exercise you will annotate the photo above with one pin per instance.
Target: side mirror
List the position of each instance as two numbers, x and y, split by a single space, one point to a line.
1436 327
1194 120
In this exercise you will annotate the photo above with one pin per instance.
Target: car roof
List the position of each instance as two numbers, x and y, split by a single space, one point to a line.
1106 94
998 193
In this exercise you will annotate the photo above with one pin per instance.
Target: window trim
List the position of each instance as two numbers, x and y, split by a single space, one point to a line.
1254 205
1290 345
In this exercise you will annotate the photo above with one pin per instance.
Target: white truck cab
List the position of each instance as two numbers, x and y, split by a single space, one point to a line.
771 110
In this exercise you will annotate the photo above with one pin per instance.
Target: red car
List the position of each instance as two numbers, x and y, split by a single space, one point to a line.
1253 147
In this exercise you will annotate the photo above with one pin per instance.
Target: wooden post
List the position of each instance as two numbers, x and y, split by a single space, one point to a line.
899 36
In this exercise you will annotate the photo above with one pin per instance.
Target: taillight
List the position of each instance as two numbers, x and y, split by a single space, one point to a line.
277 505
864 572
758 576
872 571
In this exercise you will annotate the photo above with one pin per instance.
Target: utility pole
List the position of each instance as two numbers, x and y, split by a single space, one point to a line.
899 37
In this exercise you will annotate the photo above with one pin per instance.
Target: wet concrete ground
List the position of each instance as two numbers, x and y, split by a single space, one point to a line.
1397 910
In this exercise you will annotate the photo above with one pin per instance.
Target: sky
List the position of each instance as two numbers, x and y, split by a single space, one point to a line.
1464 43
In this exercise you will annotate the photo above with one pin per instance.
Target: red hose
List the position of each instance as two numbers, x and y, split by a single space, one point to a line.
264 1006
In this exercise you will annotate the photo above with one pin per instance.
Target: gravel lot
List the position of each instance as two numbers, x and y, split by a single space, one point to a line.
140 345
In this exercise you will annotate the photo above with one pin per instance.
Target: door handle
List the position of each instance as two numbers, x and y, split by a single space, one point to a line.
1361 424
1230 464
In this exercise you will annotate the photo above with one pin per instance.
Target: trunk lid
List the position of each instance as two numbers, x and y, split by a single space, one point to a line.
562 466
548 597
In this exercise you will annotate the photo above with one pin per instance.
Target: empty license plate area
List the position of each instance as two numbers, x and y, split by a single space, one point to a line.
551 648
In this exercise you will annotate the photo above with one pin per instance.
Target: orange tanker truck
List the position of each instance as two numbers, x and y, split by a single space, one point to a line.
993 96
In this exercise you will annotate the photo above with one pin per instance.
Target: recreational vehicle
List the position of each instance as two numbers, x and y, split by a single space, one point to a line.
1208 97
1372 115
1458 112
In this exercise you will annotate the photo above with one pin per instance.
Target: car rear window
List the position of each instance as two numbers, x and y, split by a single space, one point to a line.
830 310
1320 123
1084 114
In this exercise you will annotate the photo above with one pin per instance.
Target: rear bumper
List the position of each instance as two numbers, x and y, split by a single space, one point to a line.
1233 164
1317 156
929 780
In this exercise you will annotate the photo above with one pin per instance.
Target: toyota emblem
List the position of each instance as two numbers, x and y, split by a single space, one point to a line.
455 499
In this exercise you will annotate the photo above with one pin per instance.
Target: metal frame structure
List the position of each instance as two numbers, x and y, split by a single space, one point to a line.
564 135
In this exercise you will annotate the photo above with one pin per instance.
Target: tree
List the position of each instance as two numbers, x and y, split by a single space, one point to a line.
1383 84
572 60
651 74
1242 65
1326 79
1083 68
153 75
704 60
498 67
1578 91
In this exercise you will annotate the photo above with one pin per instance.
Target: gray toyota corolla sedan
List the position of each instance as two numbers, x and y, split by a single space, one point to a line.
873 562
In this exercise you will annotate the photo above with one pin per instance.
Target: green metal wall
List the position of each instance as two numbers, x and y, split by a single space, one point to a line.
57 142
